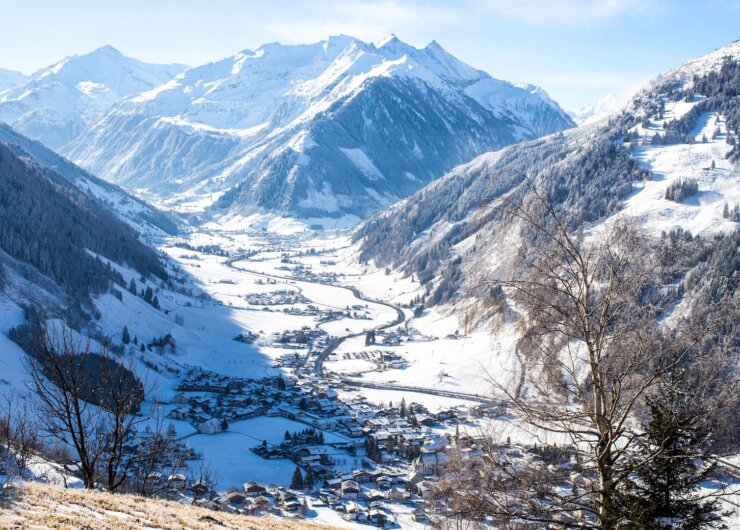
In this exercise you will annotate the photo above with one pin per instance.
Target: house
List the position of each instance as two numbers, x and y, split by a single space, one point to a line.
180 398
350 490
375 495
233 497
362 476
177 481
199 488
383 482
429 463
379 518
289 502
253 489
179 414
351 511
424 489
420 516
212 426
155 477
257 505
398 494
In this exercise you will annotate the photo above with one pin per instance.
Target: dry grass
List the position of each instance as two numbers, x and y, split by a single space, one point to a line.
37 506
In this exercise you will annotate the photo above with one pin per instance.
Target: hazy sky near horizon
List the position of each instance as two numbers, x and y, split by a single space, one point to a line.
578 50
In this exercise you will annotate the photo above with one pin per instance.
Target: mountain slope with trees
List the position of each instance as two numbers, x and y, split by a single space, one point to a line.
50 225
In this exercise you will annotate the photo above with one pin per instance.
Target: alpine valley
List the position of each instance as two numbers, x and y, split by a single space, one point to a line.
366 284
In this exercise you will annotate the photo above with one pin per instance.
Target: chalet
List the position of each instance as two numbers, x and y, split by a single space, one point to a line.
398 494
212 426
155 477
379 518
257 505
180 398
199 488
420 516
355 431
374 496
384 482
177 481
350 490
328 393
233 497
424 489
289 502
351 511
253 489
179 414
362 476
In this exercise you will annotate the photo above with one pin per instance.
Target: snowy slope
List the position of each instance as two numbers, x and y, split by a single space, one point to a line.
143 217
327 129
10 79
57 103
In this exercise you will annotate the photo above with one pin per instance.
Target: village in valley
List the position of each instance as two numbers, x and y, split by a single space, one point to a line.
327 430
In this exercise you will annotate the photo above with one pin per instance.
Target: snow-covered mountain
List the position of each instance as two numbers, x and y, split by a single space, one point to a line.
598 110
10 79
57 103
322 130
668 161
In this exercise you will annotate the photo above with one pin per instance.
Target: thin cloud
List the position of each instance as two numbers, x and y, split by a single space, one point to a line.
587 79
366 20
576 13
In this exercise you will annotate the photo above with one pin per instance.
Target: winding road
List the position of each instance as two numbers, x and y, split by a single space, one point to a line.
336 341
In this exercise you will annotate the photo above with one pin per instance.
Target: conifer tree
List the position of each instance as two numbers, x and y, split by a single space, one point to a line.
665 492
308 480
296 483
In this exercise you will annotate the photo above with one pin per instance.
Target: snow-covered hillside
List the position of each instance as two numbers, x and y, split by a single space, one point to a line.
670 135
10 79
328 129
143 217
57 103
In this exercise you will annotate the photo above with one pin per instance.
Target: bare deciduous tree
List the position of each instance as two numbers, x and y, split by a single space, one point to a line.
158 456
18 439
86 401
594 350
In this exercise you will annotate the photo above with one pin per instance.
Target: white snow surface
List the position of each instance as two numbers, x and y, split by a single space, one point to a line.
599 110
57 103
260 101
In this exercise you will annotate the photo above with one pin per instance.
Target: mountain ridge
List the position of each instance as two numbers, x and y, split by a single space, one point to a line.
249 124
56 103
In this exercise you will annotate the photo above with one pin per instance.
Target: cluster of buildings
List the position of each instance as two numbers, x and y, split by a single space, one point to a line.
278 297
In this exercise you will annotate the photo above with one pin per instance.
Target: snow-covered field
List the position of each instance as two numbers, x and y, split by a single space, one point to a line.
704 161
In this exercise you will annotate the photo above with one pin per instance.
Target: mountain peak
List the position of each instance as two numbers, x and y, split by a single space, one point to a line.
106 50
388 39
433 45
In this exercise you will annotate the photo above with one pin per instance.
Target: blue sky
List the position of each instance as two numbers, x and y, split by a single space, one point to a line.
578 50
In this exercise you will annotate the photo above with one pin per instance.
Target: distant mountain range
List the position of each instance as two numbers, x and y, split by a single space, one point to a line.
10 79
337 128
56 104
598 110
